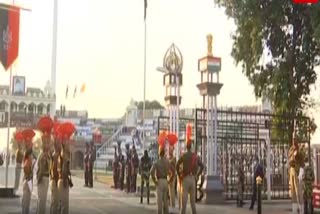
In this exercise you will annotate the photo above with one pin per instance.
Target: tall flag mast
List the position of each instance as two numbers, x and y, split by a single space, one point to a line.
144 73
54 57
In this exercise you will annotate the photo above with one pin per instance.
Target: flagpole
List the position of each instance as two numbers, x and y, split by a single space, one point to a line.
144 81
54 57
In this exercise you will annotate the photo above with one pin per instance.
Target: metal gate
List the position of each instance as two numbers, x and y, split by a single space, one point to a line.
248 135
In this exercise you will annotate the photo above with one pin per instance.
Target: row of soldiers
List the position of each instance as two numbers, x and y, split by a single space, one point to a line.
125 168
53 167
89 159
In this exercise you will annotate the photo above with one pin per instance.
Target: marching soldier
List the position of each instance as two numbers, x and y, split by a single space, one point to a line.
240 183
308 180
115 166
28 163
172 186
134 168
86 166
43 175
159 173
144 171
192 168
54 177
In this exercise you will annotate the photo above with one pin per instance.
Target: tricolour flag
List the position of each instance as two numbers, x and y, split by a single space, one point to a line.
9 34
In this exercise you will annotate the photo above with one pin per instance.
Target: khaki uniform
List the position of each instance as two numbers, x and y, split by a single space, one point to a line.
54 177
19 158
26 194
190 163
43 181
172 185
159 173
63 183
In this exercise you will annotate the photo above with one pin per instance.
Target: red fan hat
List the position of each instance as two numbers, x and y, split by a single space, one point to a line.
188 132
172 138
45 125
162 140
65 130
19 136
28 135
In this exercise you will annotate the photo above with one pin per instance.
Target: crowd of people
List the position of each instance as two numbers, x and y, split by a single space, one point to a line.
53 166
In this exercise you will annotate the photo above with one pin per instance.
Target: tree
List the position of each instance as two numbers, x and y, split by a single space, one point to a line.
289 34
149 105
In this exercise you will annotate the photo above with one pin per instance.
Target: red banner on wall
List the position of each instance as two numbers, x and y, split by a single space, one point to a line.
9 34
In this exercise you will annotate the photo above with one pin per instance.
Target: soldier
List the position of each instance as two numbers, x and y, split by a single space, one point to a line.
121 169
172 186
54 177
162 169
258 172
28 164
92 158
308 180
43 174
64 182
19 159
86 166
128 168
134 168
115 166
144 171
240 183
192 168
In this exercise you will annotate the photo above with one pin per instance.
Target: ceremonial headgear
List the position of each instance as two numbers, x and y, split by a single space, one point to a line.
65 130
28 135
162 140
188 133
45 125
172 138
18 136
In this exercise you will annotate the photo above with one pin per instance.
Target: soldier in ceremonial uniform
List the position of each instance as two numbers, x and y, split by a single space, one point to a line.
19 159
54 177
240 183
308 181
128 168
172 186
144 171
121 169
28 163
134 169
43 175
159 173
192 168
115 166
86 165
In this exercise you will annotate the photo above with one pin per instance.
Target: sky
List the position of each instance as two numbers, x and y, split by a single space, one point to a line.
101 44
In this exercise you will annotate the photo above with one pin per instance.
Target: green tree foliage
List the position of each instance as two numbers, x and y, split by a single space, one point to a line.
290 34
149 105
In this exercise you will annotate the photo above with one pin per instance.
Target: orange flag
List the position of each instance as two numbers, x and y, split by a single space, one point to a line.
83 88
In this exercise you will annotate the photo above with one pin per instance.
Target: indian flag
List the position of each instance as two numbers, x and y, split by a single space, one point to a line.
214 64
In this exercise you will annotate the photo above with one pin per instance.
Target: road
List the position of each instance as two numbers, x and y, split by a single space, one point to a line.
102 199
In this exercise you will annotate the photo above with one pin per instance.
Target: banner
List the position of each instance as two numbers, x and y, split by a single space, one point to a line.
9 34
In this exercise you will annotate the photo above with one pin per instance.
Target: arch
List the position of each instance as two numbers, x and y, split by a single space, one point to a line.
40 108
78 160
3 105
31 107
22 106
14 106
48 108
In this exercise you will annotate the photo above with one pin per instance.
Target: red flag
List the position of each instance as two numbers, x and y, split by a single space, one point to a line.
9 34
305 1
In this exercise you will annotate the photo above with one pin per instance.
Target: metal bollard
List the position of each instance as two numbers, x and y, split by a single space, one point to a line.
259 184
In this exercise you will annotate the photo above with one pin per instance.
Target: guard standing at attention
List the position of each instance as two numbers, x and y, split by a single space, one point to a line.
86 166
54 177
134 169
192 168
144 171
115 166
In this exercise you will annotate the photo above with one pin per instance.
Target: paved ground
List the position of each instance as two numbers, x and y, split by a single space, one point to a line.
102 199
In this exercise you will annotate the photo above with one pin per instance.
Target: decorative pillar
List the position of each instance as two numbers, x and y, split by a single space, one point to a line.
172 81
209 66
